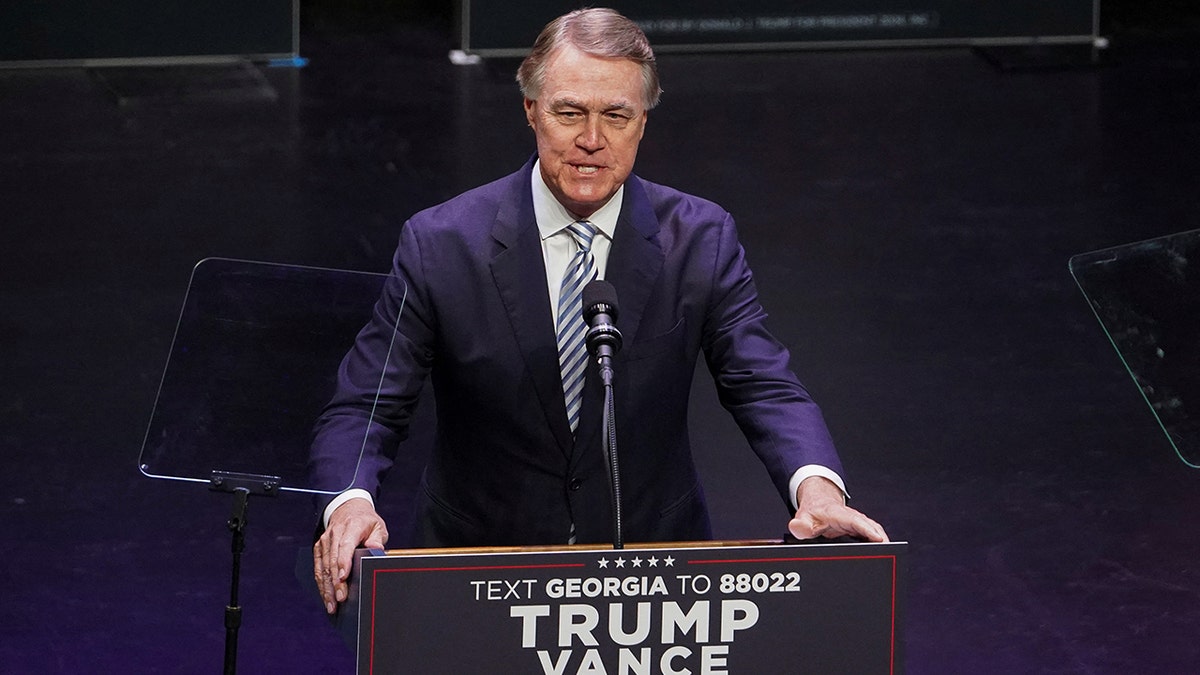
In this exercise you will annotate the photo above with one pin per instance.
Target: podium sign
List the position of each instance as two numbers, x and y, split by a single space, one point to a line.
704 609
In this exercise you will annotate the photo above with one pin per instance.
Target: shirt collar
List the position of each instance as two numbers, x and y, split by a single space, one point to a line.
552 217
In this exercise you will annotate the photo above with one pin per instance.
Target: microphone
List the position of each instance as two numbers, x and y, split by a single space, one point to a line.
600 312
603 340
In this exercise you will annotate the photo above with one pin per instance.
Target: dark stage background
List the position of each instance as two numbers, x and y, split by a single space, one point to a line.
909 215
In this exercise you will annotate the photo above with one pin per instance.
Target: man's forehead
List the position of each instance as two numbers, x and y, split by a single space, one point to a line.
571 62
576 77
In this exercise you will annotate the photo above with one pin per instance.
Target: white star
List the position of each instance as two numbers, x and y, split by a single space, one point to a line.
669 561
620 562
637 562
653 561
604 562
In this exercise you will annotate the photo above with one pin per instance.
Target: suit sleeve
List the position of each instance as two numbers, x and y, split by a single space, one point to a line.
753 376
378 383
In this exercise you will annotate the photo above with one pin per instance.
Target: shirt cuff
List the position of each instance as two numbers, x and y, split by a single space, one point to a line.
808 471
358 493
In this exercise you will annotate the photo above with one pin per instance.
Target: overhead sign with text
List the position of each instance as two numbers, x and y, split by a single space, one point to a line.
492 27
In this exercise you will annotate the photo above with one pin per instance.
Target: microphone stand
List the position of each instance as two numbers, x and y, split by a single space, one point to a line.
603 340
609 423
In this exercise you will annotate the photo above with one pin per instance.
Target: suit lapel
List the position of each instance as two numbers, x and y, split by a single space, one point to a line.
634 264
636 258
519 271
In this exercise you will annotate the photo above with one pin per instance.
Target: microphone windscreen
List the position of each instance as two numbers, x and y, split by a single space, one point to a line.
599 292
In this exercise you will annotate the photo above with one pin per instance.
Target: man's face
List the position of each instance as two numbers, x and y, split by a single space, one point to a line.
588 120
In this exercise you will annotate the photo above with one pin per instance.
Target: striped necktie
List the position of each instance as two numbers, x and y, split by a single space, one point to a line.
572 355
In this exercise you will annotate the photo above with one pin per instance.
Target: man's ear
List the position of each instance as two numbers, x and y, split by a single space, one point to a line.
530 104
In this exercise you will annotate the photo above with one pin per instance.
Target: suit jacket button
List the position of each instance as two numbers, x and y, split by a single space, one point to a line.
574 485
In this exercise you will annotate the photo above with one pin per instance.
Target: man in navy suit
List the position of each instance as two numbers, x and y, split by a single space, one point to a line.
476 287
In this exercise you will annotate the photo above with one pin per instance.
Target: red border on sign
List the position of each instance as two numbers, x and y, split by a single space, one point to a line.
892 647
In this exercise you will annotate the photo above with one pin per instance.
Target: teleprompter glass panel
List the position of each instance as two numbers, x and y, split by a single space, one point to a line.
1147 297
253 363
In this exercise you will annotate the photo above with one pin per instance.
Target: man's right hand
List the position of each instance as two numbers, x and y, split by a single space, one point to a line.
352 524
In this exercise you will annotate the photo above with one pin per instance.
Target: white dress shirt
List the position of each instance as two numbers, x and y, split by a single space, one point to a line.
559 245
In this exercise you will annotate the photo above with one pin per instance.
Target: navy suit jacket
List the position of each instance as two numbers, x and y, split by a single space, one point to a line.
469 288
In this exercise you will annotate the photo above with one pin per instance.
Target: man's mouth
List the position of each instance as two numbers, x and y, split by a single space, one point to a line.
586 168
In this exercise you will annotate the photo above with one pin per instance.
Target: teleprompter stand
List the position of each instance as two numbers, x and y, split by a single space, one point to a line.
252 364
242 486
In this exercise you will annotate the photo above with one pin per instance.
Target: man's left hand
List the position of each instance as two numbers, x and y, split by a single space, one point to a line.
822 512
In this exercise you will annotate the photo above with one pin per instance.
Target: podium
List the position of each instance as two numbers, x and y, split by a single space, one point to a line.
701 608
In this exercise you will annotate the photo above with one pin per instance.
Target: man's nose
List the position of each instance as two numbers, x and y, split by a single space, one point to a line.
591 137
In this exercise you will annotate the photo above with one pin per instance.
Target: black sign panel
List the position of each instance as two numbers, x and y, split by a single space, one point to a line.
719 609
71 30
506 28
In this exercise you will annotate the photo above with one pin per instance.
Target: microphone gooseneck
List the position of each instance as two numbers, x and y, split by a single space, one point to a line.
603 341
